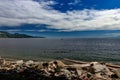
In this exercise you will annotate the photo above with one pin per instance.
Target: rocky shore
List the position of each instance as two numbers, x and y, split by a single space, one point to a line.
57 70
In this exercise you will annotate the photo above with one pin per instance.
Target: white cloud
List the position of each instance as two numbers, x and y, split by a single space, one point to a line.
41 30
75 2
30 30
12 30
18 12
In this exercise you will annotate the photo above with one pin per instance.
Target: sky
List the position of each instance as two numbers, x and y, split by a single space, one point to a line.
61 18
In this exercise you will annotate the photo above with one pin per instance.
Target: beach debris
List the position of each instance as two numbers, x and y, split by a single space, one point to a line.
19 62
57 70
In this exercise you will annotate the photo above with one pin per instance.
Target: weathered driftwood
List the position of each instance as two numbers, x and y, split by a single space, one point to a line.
75 61
81 62
113 66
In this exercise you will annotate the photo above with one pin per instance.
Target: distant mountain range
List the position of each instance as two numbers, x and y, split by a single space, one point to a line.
4 34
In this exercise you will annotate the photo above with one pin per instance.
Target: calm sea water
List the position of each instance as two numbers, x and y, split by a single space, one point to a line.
80 49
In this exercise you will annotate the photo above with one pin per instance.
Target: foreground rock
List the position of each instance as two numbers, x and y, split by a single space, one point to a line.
57 70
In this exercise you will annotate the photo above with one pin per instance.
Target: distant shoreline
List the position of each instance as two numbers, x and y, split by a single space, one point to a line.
4 34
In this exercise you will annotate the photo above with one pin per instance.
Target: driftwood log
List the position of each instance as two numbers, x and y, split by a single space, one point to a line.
81 62
75 61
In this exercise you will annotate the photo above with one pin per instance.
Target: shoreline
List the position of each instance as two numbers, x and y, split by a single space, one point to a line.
51 59
65 69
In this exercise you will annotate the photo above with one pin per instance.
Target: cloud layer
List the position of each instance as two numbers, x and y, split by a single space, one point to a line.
17 12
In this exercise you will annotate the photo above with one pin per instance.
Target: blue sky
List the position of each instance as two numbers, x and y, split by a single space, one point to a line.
61 18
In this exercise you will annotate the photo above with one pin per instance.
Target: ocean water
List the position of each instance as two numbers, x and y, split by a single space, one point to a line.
86 49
